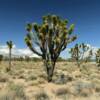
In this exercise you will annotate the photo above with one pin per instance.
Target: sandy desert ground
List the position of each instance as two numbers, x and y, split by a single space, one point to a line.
27 81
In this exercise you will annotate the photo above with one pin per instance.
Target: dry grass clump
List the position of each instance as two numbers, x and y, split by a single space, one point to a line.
84 89
63 79
42 96
4 77
61 91
97 88
13 92
31 77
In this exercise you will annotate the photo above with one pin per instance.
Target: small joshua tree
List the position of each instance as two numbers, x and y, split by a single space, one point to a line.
88 58
9 44
1 58
77 52
98 57
52 37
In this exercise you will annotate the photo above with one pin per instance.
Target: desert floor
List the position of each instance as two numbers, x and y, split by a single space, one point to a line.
27 81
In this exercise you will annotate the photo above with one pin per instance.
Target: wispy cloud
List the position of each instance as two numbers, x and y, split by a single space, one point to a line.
4 50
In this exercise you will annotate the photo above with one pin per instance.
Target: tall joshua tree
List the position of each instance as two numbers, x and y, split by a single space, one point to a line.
52 37
78 51
9 44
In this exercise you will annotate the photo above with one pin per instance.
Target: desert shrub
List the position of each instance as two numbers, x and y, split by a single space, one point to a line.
43 76
84 89
4 78
27 58
13 92
61 91
31 77
41 80
42 96
7 95
63 79
22 76
36 59
18 91
97 89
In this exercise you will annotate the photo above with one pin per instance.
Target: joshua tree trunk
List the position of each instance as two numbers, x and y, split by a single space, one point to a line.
9 59
49 70
10 44
9 67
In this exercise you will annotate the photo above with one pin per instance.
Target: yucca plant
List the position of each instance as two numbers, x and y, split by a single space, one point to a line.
52 37
98 57
77 53
10 45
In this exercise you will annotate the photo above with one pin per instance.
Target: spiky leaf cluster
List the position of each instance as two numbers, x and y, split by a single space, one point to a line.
9 44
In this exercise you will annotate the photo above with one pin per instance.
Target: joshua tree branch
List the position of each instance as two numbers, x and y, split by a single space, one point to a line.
34 50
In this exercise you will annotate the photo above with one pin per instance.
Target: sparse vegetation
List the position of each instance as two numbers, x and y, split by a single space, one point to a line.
27 81
13 92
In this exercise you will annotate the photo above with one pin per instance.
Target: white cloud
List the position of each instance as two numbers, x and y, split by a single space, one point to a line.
27 52
4 50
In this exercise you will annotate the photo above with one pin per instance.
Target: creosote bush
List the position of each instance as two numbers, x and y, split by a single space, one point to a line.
51 36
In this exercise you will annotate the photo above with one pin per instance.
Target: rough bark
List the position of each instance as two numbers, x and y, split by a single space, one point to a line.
9 67
50 70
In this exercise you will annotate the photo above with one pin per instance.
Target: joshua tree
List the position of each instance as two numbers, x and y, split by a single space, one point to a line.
1 58
52 37
98 57
77 52
9 44
88 58
27 58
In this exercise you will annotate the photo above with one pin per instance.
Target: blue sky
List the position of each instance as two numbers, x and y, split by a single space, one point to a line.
14 14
